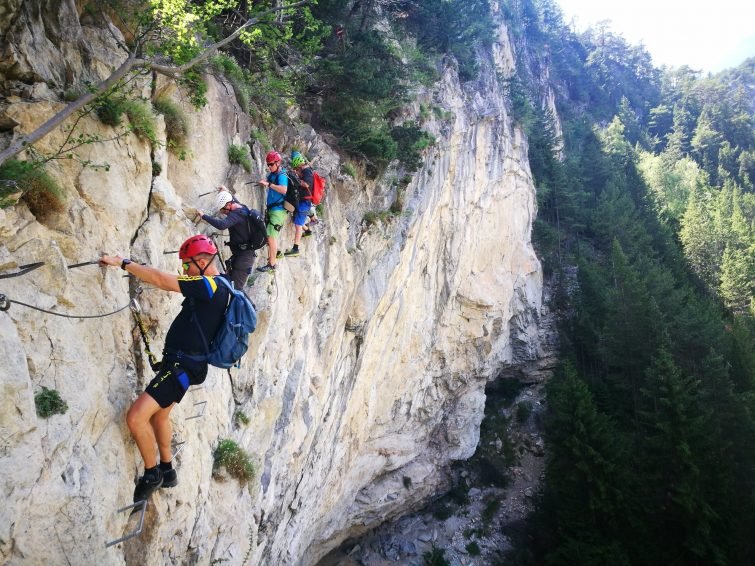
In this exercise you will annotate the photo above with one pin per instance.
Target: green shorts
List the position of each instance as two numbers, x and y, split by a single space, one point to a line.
275 220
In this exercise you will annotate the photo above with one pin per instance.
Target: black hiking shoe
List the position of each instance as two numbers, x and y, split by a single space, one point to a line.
170 478
266 268
147 484
306 234
293 252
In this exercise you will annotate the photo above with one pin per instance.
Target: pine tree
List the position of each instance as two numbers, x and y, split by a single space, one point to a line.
706 143
699 240
586 485
679 515
737 285
632 321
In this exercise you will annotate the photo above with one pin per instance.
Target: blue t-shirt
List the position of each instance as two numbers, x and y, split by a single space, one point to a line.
274 198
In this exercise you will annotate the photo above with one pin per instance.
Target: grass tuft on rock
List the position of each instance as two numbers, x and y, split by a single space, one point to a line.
48 402
234 459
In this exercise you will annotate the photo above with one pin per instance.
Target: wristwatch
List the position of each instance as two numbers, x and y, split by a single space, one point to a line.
124 263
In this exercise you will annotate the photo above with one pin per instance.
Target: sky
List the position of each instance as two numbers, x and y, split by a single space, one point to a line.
706 36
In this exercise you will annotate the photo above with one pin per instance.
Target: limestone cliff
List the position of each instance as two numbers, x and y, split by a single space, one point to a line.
368 365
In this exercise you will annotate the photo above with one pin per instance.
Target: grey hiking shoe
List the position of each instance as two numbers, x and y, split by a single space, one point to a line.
147 484
266 268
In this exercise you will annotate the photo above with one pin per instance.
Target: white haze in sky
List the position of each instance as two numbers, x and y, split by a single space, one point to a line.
706 36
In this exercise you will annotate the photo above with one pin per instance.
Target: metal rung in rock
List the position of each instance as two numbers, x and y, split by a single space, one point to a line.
140 526
177 447
201 412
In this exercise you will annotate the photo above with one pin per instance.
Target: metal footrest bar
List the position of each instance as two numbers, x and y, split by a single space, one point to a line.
201 411
177 447
139 527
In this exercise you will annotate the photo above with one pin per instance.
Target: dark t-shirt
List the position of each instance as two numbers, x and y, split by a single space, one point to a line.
308 176
210 300
236 223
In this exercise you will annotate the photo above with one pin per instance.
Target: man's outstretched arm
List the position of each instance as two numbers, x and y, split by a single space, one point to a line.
161 279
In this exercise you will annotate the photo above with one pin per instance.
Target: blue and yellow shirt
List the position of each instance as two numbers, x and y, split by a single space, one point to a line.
209 300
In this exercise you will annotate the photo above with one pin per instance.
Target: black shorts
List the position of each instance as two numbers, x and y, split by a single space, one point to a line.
170 384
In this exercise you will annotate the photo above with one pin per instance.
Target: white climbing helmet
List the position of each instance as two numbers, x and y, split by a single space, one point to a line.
223 198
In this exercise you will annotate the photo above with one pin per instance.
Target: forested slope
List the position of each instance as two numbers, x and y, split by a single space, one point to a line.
646 220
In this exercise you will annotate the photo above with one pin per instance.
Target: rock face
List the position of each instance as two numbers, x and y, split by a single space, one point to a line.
368 365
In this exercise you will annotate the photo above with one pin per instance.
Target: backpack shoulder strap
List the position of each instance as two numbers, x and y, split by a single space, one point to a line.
228 285
192 304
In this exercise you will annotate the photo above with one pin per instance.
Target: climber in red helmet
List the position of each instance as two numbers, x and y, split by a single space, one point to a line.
148 418
277 186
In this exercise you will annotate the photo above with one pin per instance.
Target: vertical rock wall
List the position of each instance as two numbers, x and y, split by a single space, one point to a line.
368 365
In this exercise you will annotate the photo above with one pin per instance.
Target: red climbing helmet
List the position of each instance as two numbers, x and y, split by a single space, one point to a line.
272 157
196 245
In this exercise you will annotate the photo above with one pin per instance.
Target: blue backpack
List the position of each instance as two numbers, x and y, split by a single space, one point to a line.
232 339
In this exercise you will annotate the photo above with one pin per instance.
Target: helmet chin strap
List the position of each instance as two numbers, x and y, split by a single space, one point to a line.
203 269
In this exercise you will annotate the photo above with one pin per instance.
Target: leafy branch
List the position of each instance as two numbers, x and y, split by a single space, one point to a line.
138 61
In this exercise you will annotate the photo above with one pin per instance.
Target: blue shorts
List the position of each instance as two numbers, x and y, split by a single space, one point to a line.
302 211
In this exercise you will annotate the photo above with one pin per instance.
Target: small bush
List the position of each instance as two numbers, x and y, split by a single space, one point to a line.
473 548
349 169
491 508
443 115
261 137
110 110
48 403
442 510
239 154
411 140
435 557
41 193
176 123
71 94
234 459
240 418
523 411
371 218
229 68
142 119
460 493
195 84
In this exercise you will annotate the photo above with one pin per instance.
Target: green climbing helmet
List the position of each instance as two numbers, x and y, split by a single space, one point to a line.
297 159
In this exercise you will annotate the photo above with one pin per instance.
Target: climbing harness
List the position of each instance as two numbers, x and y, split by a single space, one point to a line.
23 270
136 311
